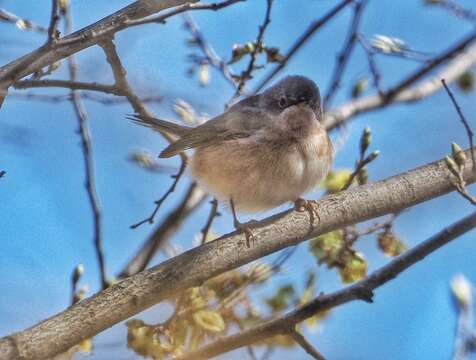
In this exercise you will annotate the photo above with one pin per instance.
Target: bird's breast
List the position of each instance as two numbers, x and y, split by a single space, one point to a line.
259 175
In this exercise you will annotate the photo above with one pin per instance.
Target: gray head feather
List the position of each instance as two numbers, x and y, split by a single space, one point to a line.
289 91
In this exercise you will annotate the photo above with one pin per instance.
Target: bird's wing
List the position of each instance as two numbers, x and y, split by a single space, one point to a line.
233 124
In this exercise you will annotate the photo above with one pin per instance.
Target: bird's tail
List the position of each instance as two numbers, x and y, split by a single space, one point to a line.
160 125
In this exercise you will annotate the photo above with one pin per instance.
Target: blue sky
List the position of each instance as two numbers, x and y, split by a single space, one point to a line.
46 223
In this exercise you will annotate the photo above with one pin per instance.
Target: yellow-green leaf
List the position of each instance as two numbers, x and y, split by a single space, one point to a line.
390 244
355 269
209 320
336 180
466 81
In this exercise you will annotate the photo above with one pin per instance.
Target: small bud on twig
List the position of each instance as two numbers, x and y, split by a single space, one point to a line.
458 155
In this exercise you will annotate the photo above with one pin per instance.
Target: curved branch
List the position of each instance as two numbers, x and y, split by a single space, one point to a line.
136 293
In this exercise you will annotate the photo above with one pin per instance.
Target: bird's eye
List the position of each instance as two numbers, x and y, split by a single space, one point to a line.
283 102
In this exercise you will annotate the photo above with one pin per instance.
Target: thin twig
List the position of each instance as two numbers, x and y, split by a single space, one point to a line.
465 123
88 158
193 198
54 19
211 216
456 9
121 83
211 56
75 277
308 33
159 202
246 75
85 96
370 52
67 84
345 53
362 290
361 163
20 22
301 340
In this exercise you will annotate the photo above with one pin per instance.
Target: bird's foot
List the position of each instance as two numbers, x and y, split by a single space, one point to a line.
310 206
245 229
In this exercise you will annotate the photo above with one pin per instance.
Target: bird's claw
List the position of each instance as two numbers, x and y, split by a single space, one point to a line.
245 229
310 206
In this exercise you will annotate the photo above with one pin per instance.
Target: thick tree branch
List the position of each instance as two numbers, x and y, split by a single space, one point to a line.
136 293
362 290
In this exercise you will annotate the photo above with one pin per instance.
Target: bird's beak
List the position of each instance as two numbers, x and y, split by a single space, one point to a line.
302 102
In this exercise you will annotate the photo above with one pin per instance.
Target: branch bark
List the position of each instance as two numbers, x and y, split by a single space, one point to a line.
136 293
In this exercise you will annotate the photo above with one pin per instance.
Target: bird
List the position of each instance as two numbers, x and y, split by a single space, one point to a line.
266 150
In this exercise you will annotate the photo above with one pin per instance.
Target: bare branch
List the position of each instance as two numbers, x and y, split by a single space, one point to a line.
105 100
469 132
370 52
193 198
310 31
138 292
67 84
362 290
211 56
159 202
83 121
213 214
20 22
464 57
346 52
246 75
160 19
54 19
301 340
456 9
81 39
443 57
